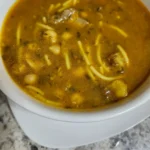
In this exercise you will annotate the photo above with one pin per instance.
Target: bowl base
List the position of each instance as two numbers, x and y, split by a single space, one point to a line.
57 134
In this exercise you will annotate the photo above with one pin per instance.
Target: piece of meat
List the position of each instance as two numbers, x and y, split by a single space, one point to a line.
64 16
117 62
69 16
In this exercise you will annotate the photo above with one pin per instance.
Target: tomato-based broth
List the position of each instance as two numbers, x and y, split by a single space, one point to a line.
77 54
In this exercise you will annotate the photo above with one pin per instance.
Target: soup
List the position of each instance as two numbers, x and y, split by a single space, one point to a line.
77 54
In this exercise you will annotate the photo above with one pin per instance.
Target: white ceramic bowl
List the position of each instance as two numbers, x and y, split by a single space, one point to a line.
140 96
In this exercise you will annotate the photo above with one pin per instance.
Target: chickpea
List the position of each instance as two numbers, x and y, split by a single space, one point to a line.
31 79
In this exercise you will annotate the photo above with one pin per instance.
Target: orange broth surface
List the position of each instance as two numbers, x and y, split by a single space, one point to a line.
77 54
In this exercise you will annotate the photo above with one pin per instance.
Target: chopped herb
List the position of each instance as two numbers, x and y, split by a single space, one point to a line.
6 48
99 9
87 77
67 29
78 35
24 43
89 32
72 89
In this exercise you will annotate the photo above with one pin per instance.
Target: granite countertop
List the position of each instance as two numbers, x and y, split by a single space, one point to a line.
13 138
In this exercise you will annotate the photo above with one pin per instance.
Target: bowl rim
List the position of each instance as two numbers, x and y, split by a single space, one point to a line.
137 98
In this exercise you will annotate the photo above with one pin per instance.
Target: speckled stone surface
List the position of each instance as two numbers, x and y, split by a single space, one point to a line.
13 138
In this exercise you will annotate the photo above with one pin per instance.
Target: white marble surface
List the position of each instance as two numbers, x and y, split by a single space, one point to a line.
13 138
